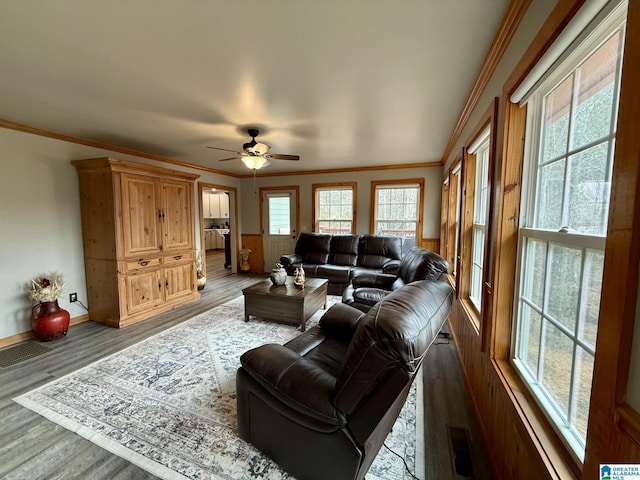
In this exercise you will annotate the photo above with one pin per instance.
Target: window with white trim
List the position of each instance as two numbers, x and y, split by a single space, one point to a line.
480 149
571 129
334 208
397 211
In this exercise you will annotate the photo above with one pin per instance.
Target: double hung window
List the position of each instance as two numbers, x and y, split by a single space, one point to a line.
397 209
334 208
479 149
571 129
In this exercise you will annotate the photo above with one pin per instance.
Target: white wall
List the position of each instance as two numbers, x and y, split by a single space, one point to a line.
432 176
40 221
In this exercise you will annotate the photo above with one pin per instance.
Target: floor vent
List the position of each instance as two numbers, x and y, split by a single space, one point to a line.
21 352
460 452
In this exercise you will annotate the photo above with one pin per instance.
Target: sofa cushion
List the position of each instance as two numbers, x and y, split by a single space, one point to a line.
334 273
344 250
374 251
313 248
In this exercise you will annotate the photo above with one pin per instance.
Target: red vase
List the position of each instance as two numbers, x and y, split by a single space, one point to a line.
50 322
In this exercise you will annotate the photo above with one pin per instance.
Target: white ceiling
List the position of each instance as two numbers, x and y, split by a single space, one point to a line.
342 83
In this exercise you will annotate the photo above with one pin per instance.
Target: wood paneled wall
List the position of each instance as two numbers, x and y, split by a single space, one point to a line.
253 241
432 244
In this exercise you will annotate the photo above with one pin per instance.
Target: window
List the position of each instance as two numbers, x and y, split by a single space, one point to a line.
571 128
478 154
334 208
450 217
279 215
397 210
454 218
478 158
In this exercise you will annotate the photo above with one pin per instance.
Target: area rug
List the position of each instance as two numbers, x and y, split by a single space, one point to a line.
168 403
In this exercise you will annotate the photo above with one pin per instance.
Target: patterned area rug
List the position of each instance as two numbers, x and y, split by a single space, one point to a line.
168 404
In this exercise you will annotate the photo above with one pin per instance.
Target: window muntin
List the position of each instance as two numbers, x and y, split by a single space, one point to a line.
561 241
334 208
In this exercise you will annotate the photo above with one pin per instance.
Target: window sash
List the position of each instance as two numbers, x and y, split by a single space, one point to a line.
332 217
557 296
386 222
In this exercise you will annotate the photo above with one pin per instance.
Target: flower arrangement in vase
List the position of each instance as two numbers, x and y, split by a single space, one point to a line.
49 321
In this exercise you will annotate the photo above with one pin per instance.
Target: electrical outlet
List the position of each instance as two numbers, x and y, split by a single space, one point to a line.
73 297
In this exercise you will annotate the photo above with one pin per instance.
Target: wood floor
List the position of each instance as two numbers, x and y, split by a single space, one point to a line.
32 447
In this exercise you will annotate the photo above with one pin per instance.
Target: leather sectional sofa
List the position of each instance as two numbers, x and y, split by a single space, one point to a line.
367 289
339 258
322 405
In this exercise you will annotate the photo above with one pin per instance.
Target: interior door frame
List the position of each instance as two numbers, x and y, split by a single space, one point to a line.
262 191
233 223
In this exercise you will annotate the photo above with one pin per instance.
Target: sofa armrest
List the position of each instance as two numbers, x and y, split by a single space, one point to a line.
291 259
282 371
391 267
373 280
341 321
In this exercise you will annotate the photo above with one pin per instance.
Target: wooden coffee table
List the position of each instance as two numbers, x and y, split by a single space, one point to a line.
285 303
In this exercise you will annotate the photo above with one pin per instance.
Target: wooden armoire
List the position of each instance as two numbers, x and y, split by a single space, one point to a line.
138 237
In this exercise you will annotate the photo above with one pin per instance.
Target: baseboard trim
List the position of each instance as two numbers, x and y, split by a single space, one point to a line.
21 337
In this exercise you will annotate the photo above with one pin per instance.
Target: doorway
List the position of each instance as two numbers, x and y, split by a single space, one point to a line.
218 229
279 218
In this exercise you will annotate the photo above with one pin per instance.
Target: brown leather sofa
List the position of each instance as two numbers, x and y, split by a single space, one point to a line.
339 258
368 288
322 405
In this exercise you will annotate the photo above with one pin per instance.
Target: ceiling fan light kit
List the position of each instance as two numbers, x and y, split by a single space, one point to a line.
254 162
255 154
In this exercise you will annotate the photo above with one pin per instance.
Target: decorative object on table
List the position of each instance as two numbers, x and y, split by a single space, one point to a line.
49 321
278 275
244 257
299 278
202 279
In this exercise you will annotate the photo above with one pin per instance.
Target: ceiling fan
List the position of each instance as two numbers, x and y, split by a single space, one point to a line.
255 154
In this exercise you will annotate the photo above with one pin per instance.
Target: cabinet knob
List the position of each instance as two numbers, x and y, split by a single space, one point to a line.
177 257
143 263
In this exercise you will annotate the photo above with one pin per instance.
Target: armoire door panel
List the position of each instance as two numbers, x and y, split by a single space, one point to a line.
143 291
179 281
176 219
140 213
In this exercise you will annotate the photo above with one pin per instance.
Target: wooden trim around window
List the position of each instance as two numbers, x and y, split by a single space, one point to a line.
402 181
354 212
483 318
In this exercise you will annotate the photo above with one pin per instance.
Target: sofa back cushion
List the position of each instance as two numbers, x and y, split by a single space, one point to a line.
394 334
344 250
313 248
422 264
375 250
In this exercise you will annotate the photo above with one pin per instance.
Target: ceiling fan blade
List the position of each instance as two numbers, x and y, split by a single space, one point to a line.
225 159
280 156
225 149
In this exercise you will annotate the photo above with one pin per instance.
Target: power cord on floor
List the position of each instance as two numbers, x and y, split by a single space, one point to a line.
403 461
